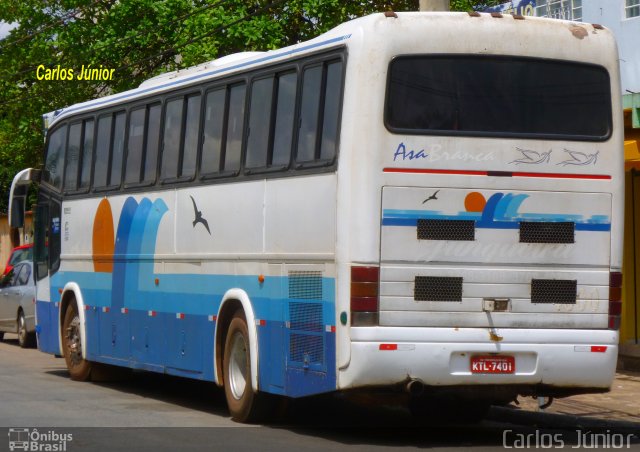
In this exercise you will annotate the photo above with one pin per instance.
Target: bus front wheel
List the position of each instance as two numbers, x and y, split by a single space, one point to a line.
79 368
245 405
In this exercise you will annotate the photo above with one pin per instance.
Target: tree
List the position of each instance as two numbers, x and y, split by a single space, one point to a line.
138 39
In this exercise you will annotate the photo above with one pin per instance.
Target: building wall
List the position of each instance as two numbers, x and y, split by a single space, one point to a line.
7 242
611 14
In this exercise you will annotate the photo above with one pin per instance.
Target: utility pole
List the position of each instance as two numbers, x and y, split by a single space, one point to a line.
434 5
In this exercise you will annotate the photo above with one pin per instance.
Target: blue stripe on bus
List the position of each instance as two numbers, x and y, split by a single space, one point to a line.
139 92
184 346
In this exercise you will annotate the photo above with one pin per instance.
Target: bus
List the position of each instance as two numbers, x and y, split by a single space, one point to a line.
427 203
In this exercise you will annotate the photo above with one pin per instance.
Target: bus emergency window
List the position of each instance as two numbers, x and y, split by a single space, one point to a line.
213 127
135 145
235 128
259 123
285 110
73 156
118 150
55 157
87 155
103 143
172 136
498 96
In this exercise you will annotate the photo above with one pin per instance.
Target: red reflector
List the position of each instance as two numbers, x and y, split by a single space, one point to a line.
615 293
389 347
598 348
615 279
364 304
615 307
365 274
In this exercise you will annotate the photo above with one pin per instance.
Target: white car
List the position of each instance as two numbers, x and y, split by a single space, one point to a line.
17 304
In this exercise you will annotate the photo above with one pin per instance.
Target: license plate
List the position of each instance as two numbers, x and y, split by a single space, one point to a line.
493 364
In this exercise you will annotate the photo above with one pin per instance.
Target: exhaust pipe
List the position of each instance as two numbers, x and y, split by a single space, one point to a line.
415 387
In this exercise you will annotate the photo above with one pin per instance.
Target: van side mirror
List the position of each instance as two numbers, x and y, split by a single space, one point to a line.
18 195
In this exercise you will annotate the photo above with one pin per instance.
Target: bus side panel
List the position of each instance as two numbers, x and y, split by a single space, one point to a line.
47 327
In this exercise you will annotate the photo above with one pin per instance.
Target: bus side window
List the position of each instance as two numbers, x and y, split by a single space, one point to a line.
212 133
115 173
54 164
285 112
103 143
235 128
87 155
192 130
172 136
55 235
152 140
259 123
309 113
135 143
73 157
41 232
332 97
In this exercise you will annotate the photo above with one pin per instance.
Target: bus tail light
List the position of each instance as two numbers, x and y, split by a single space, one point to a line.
615 299
365 283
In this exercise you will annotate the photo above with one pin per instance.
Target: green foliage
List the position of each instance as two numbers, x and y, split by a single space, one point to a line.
139 39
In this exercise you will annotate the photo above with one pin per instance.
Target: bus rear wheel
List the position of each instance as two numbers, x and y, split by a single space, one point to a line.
79 368
245 405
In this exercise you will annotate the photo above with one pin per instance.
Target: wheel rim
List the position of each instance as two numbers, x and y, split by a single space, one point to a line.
238 366
74 343
22 329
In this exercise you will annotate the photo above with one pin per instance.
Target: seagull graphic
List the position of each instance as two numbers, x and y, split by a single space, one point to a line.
433 196
579 158
531 157
198 215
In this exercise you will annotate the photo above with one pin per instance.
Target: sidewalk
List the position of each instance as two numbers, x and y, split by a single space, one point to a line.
622 404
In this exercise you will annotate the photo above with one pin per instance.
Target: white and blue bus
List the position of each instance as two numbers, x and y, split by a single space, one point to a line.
430 202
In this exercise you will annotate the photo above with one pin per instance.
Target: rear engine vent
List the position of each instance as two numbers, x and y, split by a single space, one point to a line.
305 285
446 230
437 288
555 291
547 232
306 341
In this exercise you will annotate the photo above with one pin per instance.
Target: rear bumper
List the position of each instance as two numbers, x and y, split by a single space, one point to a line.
382 356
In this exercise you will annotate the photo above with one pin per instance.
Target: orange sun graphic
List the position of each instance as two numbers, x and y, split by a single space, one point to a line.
474 202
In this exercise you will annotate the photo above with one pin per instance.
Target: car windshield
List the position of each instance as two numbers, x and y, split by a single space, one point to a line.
25 254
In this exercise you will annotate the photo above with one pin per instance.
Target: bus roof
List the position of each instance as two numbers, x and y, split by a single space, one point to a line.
364 26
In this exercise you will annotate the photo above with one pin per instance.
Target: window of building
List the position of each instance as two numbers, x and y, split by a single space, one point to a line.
560 9
632 8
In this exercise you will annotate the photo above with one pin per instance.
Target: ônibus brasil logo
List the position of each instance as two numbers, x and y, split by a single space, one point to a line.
31 439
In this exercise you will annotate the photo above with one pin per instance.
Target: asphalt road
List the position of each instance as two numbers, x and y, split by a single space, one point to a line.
150 412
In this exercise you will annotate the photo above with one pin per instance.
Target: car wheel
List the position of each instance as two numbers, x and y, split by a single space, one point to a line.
23 335
79 368
245 405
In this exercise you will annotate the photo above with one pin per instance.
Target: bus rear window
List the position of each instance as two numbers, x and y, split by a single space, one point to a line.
498 96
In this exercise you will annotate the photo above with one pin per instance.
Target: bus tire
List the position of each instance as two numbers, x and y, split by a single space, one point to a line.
79 368
245 405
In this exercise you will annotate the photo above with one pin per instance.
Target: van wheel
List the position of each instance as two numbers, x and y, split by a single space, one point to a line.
25 339
79 368
245 405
